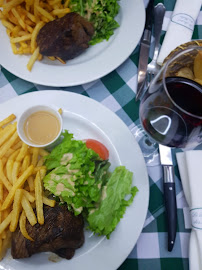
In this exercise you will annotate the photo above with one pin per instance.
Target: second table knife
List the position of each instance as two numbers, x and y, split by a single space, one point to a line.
169 193
144 48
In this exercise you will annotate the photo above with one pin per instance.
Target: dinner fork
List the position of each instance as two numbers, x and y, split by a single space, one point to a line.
153 67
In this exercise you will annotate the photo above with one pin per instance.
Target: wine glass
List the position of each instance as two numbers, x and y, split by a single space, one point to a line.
149 147
171 110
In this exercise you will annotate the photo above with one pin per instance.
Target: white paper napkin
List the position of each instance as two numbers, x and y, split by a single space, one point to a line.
181 26
190 168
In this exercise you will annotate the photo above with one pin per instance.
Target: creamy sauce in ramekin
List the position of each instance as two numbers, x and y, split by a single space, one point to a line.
41 127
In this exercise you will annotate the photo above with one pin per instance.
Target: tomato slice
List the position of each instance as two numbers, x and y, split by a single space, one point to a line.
98 147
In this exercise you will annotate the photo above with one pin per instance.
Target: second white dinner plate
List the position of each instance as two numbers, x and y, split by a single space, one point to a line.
94 63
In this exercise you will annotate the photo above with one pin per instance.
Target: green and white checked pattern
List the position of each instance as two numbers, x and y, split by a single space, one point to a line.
117 92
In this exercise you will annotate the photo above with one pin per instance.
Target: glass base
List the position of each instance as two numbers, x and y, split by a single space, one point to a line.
148 146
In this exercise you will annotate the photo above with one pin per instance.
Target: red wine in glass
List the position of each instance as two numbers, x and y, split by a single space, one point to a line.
172 115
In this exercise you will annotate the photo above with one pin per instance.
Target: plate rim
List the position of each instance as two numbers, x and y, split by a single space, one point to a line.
55 93
62 81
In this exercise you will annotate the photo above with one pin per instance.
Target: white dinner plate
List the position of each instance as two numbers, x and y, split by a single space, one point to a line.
94 63
79 117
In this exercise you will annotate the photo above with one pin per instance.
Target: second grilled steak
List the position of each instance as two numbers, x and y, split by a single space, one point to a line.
66 37
61 233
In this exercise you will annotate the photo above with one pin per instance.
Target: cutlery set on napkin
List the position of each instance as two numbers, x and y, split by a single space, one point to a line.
179 31
190 168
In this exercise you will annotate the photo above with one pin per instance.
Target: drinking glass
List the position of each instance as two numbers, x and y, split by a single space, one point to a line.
171 110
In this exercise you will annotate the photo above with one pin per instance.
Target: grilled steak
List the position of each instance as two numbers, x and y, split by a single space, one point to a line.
61 233
66 37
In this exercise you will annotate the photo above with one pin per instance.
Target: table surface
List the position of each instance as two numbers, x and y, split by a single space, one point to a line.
117 92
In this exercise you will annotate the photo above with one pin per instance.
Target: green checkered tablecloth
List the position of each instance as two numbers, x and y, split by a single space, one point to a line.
117 92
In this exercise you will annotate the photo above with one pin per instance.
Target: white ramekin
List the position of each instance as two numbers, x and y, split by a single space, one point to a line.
23 117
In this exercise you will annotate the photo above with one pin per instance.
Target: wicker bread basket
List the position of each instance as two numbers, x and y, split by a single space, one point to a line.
186 60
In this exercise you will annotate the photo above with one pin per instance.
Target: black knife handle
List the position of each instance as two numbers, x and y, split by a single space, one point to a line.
171 212
149 15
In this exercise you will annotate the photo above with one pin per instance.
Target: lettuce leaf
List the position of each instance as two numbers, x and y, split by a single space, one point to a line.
104 219
79 177
76 174
81 154
101 13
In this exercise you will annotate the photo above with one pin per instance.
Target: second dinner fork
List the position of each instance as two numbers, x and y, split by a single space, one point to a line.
153 67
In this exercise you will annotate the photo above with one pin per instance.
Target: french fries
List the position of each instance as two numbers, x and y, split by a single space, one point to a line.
25 163
23 20
21 191
18 184
6 133
3 178
9 169
28 211
16 209
15 171
30 197
48 202
35 156
5 147
5 223
22 224
22 153
39 199
7 120
30 181
33 59
37 28
5 244
1 192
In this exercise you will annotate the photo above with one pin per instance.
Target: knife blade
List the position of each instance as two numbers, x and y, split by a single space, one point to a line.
144 48
169 193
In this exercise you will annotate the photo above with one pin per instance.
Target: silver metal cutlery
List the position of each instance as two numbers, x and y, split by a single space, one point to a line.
144 48
146 72
153 68
169 193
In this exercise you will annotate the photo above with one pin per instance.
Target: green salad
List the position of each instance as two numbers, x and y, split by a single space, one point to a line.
101 13
78 177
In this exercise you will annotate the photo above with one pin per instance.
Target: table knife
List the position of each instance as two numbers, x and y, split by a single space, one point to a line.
169 193
144 48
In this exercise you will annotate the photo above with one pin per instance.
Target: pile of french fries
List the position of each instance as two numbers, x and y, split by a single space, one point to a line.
21 190
23 20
